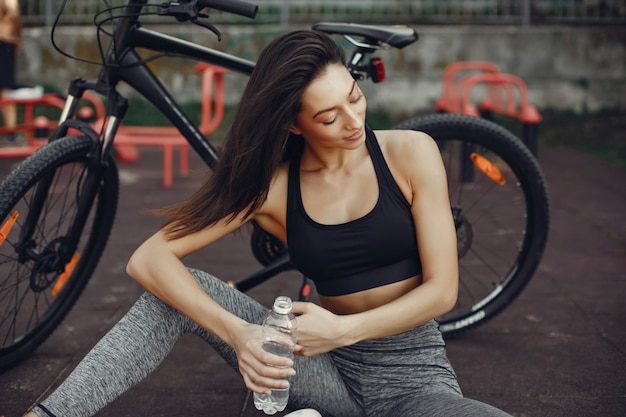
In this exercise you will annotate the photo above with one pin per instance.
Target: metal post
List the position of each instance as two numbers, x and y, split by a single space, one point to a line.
284 13
525 10
49 13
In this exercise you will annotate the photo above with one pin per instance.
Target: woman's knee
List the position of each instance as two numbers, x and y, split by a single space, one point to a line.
150 309
148 301
230 298
210 283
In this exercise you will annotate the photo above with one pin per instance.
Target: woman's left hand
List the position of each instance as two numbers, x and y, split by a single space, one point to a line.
319 330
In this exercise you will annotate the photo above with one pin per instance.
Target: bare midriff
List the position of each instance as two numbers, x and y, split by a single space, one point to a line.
369 299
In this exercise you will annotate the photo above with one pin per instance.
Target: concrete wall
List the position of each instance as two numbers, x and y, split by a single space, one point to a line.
564 67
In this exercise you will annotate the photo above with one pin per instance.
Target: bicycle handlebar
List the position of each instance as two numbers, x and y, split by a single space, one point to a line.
239 7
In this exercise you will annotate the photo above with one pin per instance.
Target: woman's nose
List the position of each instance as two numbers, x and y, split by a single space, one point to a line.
354 120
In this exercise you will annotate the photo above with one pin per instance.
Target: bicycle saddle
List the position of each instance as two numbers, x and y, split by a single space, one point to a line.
396 36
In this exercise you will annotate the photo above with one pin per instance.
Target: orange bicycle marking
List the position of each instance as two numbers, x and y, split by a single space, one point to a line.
489 169
7 226
67 272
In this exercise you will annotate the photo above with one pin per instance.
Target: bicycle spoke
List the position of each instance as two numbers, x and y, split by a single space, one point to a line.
36 290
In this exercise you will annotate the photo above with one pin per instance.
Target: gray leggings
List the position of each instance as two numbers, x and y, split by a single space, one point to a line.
403 375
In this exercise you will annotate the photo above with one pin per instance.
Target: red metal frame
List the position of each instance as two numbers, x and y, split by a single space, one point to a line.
29 125
447 102
506 94
128 137
168 137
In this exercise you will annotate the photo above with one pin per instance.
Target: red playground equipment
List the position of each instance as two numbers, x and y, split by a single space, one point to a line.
36 128
506 95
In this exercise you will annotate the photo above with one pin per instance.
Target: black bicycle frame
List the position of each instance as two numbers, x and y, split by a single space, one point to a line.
143 80
123 63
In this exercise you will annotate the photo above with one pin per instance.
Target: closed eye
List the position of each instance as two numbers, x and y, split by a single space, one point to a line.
356 100
353 101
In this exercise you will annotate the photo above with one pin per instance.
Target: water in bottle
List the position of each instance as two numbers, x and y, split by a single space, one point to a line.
279 338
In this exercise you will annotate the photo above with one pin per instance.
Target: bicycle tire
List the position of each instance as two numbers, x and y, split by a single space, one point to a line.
502 230
30 312
265 247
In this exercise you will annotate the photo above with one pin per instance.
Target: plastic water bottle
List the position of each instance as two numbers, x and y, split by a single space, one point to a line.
279 338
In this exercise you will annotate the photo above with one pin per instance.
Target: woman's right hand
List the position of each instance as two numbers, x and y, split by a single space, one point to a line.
260 370
154 264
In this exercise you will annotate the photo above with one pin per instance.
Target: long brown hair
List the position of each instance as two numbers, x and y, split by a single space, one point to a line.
259 138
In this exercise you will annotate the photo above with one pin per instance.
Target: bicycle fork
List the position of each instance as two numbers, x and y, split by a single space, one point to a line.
60 255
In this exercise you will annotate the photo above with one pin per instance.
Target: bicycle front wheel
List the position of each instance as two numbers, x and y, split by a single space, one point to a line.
501 211
35 291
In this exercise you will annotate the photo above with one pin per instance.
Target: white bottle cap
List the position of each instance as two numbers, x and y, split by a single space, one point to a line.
282 305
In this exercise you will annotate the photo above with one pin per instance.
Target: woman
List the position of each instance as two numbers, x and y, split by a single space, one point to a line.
365 215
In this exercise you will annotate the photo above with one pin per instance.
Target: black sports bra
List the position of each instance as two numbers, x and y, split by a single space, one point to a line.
377 249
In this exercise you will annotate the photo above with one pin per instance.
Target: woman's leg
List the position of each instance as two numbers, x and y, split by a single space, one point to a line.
317 383
407 375
444 405
138 343
128 353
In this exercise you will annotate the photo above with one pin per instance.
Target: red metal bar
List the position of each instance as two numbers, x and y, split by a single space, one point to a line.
448 99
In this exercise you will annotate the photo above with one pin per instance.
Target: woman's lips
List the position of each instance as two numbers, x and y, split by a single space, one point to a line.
357 135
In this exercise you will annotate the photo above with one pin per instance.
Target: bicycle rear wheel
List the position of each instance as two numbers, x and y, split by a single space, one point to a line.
34 295
501 211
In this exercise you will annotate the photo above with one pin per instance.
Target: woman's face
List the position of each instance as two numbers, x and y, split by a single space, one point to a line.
333 110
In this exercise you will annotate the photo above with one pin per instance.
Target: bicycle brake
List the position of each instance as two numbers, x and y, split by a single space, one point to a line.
206 25
181 11
188 11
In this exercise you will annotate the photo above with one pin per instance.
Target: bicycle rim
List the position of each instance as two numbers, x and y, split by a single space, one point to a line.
500 206
34 299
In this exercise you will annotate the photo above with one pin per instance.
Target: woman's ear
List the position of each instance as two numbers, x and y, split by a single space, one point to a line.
293 129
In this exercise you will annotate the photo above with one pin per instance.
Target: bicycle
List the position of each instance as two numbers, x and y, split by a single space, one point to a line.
58 205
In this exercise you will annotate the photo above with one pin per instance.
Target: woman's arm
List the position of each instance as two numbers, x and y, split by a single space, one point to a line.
417 166
157 266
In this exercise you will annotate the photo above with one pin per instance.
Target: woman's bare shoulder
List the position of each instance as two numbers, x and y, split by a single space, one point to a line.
406 145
